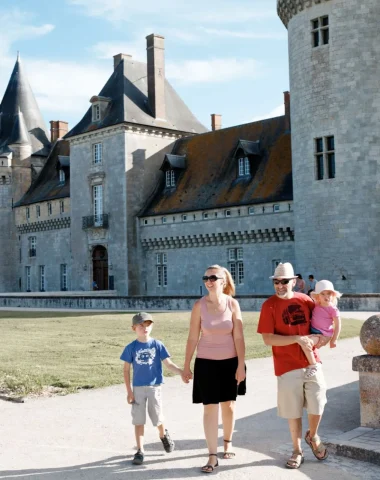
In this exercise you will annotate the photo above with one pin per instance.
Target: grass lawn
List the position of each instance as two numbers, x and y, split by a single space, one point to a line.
67 351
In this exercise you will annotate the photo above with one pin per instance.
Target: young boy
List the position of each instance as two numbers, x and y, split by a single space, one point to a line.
146 354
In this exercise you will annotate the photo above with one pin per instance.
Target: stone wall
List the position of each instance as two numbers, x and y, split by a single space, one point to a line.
335 92
247 302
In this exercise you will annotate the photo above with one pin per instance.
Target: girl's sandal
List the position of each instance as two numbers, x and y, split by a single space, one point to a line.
295 461
228 455
210 468
318 450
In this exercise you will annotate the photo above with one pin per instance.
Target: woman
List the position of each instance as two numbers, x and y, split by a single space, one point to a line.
219 365
300 284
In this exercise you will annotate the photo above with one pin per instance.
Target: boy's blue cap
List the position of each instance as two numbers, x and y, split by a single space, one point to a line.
141 317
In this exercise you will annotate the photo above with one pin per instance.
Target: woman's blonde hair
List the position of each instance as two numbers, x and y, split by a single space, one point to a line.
229 287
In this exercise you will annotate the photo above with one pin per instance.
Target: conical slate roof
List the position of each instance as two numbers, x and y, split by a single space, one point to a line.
19 133
19 97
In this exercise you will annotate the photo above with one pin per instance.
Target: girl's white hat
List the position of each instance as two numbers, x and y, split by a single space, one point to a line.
325 285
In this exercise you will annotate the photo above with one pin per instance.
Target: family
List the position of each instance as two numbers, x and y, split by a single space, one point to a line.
292 323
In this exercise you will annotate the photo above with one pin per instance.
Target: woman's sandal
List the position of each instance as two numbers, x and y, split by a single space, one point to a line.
228 455
318 450
210 468
295 461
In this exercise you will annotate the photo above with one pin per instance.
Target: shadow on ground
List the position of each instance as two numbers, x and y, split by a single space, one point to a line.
261 433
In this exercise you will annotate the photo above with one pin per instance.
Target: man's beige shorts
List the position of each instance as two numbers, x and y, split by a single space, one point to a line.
152 396
295 392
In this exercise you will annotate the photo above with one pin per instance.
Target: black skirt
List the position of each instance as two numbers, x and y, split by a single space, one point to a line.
214 381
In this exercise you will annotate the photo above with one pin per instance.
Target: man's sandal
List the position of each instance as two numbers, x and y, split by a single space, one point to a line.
295 461
210 468
318 450
228 455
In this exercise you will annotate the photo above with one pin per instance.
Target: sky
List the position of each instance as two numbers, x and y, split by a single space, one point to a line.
229 58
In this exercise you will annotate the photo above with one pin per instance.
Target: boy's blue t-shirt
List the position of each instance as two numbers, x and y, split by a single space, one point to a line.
146 359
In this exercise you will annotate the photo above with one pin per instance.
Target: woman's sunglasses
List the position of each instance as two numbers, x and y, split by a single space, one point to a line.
282 282
211 278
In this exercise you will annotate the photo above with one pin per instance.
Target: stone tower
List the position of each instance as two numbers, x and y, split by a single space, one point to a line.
334 64
24 146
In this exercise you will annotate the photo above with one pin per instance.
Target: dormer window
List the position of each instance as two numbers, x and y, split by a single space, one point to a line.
62 177
244 166
96 112
170 178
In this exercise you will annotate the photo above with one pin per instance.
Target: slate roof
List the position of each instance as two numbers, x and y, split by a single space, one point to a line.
47 185
127 88
210 178
19 97
174 161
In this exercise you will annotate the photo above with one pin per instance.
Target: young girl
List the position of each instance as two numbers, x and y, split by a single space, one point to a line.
325 321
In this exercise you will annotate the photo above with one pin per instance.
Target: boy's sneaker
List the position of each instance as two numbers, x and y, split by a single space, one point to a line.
138 458
167 442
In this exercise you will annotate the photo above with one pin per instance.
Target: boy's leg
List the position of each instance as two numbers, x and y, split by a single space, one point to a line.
139 434
156 415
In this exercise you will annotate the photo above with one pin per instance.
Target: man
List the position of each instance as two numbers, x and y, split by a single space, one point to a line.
285 325
312 282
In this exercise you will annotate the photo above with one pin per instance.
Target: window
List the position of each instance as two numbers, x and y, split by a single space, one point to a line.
205 215
325 157
227 213
97 198
320 31
275 263
170 178
38 211
32 246
49 208
163 219
276 208
236 264
251 210
184 218
97 153
27 214
27 279
145 221
61 176
61 206
63 276
95 112
161 269
42 278
244 166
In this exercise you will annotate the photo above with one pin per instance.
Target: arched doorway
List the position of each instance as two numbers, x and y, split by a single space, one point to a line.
100 268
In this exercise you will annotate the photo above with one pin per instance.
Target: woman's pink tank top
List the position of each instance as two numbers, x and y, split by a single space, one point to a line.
216 342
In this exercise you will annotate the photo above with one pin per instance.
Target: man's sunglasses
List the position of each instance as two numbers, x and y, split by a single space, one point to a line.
282 282
212 278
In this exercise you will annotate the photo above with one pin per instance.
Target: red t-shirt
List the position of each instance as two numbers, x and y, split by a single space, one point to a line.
287 317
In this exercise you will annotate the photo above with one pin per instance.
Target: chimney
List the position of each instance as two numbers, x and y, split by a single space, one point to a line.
155 48
119 57
216 121
58 129
287 110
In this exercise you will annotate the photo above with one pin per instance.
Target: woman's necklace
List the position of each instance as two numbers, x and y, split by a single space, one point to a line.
216 307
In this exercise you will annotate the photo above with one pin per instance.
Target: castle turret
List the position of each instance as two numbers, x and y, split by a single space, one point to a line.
24 146
335 116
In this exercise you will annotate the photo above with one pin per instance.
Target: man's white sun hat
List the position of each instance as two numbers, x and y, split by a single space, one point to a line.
284 270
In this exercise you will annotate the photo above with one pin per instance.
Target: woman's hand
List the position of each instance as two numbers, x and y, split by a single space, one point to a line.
187 375
240 374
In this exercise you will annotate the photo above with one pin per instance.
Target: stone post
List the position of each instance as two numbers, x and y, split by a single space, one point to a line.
368 367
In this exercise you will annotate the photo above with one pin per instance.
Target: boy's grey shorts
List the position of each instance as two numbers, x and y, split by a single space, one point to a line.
152 395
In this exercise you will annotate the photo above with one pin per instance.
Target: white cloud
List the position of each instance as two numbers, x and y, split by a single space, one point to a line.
244 34
276 112
109 49
216 70
210 11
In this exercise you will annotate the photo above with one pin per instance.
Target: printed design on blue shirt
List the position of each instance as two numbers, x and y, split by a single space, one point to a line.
145 356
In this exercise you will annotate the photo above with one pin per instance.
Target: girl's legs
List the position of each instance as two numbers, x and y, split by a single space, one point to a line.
228 420
210 425
313 366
